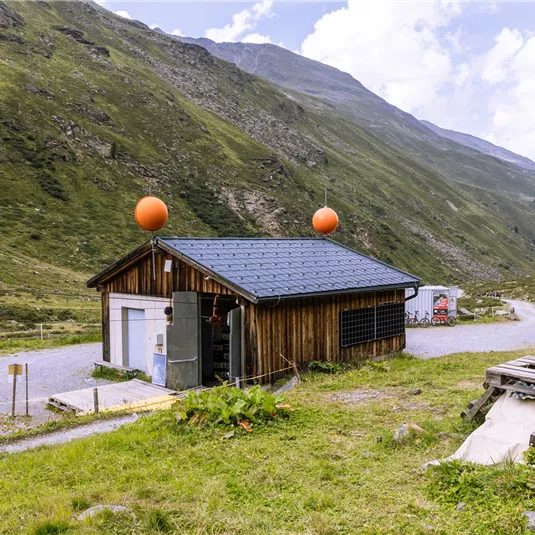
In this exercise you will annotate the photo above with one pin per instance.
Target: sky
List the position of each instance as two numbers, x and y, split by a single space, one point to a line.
466 66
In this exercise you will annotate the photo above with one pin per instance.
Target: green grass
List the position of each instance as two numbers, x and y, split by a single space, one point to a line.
472 301
519 288
111 374
331 468
18 344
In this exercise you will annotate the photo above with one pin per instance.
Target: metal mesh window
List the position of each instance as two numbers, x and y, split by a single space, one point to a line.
372 323
390 320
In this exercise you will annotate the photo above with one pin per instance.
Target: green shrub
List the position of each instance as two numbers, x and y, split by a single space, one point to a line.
52 186
529 456
324 367
231 407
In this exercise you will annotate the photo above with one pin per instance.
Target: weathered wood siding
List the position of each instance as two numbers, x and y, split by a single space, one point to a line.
303 330
137 279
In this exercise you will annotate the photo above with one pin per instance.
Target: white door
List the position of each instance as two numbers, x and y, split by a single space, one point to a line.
136 338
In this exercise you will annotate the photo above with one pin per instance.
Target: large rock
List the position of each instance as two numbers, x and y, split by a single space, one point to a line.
465 312
89 513
531 519
9 18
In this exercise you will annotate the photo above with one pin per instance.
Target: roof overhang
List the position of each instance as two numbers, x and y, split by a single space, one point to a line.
367 289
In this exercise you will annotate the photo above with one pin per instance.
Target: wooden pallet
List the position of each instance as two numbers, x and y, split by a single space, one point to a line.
502 378
130 395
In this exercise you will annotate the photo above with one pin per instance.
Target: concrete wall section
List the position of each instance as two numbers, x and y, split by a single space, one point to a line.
155 323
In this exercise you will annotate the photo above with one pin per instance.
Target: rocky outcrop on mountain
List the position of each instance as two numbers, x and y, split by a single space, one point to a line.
9 18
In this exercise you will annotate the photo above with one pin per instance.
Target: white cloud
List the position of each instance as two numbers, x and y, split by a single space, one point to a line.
393 48
242 22
256 38
497 60
177 32
123 14
153 26
512 111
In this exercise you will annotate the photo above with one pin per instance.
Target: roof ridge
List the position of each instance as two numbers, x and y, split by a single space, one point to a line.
224 238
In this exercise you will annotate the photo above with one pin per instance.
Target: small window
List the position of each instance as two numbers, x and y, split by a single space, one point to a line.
362 325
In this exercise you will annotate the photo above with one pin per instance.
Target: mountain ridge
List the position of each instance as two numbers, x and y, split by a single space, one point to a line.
129 110
482 145
451 158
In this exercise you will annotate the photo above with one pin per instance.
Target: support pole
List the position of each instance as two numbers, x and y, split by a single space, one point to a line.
95 400
41 331
27 403
14 392
153 258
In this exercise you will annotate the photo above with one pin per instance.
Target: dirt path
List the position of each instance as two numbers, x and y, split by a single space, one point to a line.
51 371
439 341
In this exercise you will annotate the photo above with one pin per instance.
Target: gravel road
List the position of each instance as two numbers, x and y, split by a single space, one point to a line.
51 371
61 437
438 341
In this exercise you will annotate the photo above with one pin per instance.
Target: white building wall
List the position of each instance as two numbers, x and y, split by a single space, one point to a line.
155 323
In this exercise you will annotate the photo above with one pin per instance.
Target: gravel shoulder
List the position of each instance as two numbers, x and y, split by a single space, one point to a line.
61 437
51 371
439 341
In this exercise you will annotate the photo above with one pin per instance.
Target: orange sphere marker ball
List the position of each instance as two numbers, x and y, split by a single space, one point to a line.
325 220
151 213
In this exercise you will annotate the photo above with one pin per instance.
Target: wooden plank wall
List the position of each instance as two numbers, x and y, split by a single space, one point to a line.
303 330
137 279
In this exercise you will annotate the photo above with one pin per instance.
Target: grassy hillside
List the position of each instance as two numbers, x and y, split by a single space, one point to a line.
97 111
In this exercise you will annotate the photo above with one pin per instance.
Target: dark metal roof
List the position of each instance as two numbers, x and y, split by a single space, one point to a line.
272 268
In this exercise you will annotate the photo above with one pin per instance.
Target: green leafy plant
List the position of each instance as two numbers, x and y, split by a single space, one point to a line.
529 456
227 406
325 367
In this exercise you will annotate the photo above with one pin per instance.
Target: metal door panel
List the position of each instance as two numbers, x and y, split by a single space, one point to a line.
183 342
235 345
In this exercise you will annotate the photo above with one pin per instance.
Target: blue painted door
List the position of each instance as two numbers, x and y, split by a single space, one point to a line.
136 338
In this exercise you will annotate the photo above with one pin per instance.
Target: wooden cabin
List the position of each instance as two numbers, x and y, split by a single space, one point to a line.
191 311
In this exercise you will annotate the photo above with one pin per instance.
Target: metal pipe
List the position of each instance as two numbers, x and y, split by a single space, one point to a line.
416 288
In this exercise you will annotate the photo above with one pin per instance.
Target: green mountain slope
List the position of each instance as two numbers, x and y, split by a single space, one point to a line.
451 157
96 110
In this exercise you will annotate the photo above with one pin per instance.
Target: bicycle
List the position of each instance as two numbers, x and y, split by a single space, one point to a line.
437 319
415 322
425 322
